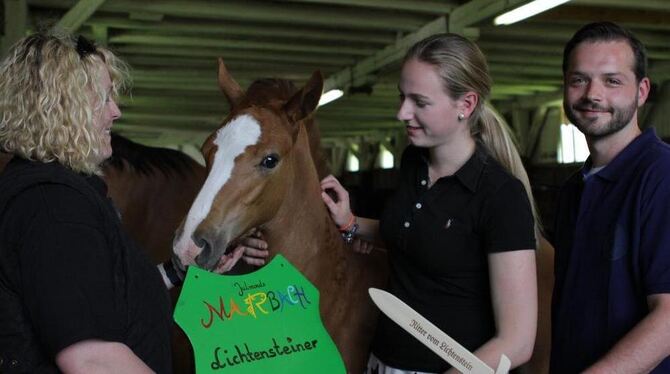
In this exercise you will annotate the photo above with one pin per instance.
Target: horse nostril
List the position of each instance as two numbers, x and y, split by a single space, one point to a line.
203 257
200 242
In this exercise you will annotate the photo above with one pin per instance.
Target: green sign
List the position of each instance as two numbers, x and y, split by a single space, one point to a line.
265 321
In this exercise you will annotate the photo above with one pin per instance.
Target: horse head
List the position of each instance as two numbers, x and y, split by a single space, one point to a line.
248 159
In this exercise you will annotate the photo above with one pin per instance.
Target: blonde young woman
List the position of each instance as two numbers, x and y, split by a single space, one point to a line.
460 227
77 296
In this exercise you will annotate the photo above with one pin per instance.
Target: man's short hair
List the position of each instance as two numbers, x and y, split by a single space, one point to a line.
606 32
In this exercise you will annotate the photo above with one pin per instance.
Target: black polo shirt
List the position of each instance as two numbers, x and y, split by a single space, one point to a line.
438 241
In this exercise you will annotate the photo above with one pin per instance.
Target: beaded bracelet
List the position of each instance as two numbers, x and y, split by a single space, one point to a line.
350 234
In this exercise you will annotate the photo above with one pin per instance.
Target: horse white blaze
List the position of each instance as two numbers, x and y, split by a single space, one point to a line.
231 141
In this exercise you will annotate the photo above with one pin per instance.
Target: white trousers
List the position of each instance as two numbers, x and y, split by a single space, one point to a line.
375 366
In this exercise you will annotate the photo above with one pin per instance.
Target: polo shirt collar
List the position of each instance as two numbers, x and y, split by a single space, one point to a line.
623 161
470 173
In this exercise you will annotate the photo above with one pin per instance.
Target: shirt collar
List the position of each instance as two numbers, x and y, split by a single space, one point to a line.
623 161
469 174
471 171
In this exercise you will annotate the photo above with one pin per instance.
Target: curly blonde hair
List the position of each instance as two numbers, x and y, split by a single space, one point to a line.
50 96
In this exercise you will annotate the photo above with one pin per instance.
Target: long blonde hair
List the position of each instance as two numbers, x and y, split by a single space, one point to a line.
463 68
46 103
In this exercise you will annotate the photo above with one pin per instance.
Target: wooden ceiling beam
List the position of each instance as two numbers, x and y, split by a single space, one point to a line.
521 89
580 14
532 101
211 28
192 41
172 121
239 54
269 67
256 11
654 5
659 71
511 78
493 44
558 34
77 15
459 20
433 7
358 74
216 105
15 23
473 12
327 125
528 70
524 59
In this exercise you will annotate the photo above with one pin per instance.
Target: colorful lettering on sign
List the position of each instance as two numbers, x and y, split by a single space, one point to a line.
255 304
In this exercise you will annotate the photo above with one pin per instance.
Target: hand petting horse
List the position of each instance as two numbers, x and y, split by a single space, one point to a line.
262 174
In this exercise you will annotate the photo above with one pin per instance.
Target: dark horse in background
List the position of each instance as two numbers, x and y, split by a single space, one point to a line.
153 189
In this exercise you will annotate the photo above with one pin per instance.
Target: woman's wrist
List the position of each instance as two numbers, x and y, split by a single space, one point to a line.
349 230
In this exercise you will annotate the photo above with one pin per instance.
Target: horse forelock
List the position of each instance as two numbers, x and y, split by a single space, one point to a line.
230 141
267 90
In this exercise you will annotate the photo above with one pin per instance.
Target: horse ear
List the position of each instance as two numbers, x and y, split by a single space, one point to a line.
228 85
305 101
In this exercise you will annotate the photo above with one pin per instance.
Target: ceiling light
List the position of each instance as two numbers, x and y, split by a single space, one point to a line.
330 96
525 11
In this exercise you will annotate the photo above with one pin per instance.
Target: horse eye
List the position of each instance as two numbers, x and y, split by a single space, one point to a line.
270 161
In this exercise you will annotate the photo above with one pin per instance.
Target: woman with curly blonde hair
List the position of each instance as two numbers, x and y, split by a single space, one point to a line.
76 294
52 100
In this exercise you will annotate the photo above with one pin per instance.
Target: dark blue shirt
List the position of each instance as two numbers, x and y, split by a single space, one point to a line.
612 245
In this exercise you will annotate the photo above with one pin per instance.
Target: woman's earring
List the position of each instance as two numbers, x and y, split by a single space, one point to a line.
461 116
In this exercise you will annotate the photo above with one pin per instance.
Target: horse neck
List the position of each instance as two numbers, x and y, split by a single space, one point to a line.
302 228
318 156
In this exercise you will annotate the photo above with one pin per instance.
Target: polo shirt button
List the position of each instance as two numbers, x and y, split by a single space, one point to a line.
406 224
423 182
418 205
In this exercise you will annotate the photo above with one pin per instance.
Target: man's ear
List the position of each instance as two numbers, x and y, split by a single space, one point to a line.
643 89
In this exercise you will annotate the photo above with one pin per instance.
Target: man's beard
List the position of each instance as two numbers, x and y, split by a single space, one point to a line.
620 117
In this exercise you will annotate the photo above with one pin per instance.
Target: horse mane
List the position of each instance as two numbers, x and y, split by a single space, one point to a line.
146 160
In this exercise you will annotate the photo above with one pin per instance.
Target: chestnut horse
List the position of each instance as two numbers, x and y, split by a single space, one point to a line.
262 174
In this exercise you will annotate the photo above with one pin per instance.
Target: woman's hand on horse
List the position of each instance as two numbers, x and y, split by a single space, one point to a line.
340 211
255 248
